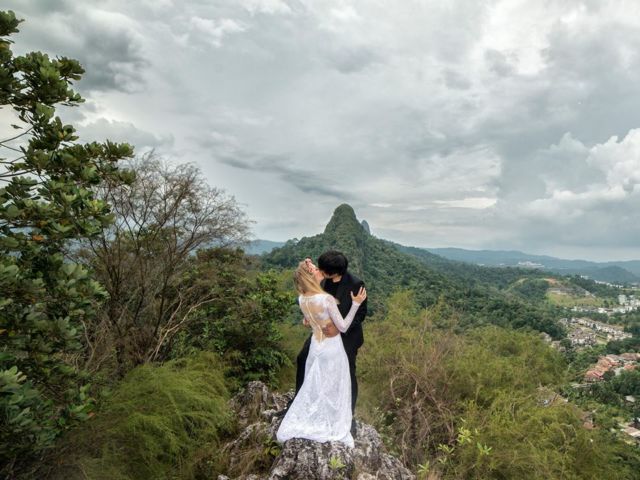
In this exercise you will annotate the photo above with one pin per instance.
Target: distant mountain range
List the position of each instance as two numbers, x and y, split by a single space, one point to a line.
478 295
622 272
612 272
258 247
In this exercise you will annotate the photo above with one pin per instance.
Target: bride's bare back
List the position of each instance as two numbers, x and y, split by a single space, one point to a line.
321 311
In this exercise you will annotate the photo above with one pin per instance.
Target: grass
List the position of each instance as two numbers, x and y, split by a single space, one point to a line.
572 300
293 337
160 422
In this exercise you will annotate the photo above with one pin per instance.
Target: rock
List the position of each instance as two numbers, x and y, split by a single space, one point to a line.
370 456
307 459
256 401
302 458
250 439
257 411
366 476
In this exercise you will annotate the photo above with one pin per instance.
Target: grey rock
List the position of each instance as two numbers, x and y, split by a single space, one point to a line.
251 438
366 476
257 411
302 458
255 400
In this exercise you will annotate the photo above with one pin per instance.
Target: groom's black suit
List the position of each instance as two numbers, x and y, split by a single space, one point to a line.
352 339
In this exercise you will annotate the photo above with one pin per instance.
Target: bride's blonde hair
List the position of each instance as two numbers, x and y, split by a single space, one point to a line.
304 279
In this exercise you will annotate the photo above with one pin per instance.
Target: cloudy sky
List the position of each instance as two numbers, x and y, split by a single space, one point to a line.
476 124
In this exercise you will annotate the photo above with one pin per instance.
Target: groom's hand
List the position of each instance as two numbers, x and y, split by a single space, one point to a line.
330 330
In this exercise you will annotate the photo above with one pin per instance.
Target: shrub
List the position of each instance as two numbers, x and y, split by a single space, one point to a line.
47 202
155 424
476 405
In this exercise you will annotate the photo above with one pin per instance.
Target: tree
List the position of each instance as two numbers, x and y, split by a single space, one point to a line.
144 258
47 199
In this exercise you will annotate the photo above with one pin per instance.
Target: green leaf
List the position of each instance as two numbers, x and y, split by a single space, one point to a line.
11 212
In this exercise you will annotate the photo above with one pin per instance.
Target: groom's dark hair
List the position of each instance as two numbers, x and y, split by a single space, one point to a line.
332 262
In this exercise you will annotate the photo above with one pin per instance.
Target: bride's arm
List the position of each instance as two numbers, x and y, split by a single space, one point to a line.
341 323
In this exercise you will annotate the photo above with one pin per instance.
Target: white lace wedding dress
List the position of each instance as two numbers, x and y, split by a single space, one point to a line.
321 410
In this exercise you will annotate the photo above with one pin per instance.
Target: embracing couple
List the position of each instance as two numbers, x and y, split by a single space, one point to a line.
333 303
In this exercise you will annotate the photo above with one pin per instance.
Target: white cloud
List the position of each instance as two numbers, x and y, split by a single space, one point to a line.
266 6
470 202
619 162
442 123
119 131
214 30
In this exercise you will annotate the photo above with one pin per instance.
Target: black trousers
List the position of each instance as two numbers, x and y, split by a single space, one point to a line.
351 351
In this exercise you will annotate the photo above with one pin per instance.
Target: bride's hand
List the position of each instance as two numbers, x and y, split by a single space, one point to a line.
360 297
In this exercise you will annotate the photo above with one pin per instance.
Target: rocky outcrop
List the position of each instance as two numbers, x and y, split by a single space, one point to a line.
256 454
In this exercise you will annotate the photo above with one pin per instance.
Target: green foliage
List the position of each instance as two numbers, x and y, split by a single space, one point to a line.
251 333
471 274
293 335
581 360
530 440
511 361
23 412
612 392
424 469
336 464
599 289
384 267
46 202
533 289
157 423
479 405
272 448
144 259
631 344
242 324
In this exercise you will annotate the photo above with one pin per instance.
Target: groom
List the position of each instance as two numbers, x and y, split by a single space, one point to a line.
339 283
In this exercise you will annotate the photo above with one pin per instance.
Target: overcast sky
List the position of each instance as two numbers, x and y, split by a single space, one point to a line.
475 124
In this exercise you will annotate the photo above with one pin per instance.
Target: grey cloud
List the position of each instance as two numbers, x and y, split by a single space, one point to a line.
107 49
453 79
113 61
304 180
416 104
498 63
40 7
352 60
102 129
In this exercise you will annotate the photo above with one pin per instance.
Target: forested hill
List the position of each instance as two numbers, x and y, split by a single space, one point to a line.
613 271
385 268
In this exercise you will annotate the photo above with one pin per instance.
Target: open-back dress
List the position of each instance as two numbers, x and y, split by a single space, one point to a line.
321 410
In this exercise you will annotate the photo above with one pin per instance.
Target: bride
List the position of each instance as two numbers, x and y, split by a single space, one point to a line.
321 410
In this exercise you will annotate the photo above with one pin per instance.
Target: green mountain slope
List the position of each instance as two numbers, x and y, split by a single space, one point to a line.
385 268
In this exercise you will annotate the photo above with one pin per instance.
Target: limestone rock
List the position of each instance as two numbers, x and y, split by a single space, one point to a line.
257 411
256 401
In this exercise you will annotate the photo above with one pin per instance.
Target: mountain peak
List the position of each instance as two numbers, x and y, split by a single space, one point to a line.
343 219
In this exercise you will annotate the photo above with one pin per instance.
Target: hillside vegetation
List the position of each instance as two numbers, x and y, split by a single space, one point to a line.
475 294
